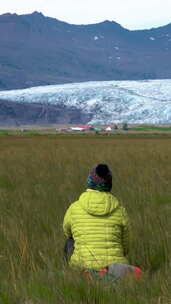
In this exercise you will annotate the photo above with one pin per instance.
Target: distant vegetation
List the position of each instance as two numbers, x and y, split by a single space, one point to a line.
40 176
4 131
151 128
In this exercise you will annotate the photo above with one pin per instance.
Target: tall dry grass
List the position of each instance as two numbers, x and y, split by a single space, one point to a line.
40 176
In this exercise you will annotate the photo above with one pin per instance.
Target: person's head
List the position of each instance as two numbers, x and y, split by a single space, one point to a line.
100 178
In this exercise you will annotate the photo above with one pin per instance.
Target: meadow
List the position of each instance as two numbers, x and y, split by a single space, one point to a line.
40 176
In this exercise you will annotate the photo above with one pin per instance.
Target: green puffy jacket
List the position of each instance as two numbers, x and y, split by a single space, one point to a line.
99 226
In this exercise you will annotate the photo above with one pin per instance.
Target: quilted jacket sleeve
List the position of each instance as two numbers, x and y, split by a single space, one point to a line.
67 223
125 232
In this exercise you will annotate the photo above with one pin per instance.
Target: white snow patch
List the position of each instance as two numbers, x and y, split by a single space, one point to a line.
152 38
116 48
96 37
91 102
118 58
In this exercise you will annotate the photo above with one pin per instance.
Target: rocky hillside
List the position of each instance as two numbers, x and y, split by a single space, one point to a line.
38 50
17 114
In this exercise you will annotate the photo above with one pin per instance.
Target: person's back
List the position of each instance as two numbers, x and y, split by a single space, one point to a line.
98 224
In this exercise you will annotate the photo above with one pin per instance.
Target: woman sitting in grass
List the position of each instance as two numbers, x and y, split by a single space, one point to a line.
99 226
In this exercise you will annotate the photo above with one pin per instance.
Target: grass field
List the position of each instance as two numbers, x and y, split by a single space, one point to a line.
40 176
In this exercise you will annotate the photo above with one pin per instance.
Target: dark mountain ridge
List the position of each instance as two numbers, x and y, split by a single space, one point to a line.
38 50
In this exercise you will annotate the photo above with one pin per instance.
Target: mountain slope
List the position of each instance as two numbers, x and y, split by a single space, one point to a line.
100 102
38 50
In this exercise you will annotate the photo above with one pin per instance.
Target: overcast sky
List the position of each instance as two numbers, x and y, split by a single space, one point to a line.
132 14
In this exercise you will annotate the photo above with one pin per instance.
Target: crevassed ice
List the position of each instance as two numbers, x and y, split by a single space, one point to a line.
147 101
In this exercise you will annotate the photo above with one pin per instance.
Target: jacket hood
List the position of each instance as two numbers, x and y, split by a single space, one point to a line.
98 203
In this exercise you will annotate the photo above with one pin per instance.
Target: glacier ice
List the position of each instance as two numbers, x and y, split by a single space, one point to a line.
144 101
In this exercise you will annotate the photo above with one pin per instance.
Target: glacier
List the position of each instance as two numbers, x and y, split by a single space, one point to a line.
143 101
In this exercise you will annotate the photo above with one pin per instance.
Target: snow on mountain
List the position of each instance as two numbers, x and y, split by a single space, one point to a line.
147 101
